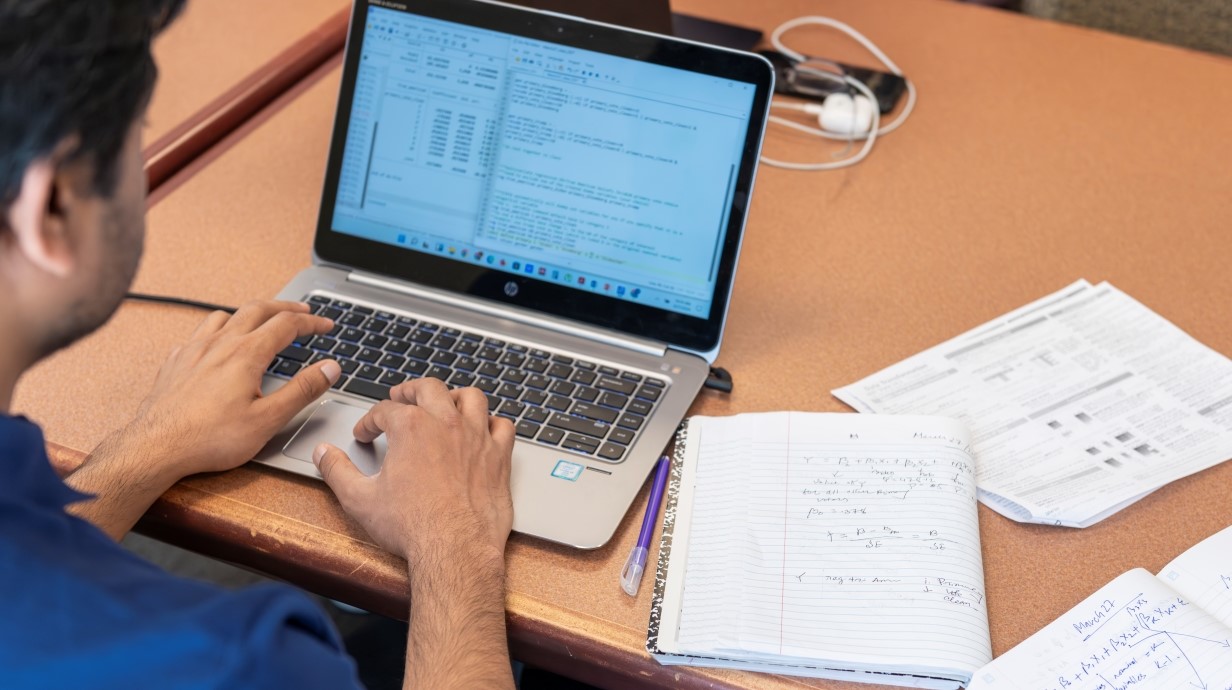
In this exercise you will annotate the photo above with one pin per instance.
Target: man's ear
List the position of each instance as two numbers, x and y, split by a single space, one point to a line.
38 220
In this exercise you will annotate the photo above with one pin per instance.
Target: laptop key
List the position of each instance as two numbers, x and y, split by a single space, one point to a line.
351 335
443 358
330 313
608 383
333 332
550 436
341 304
630 376
439 372
560 371
513 408
487 385
538 366
349 366
415 367
494 342
579 425
351 319
534 397
428 326
420 352
388 316
369 355
295 353
467 364
562 359
346 350
538 382
583 377
421 336
611 451
583 364
452 332
407 321
323 343
472 336
342 380
467 347
559 403
513 375
609 371
649 392
580 444
392 378
493 403
541 354
630 421
443 342
513 359
537 415
489 353
318 299
657 383
287 368
374 340
397 331
615 400
639 406
509 390
367 389
461 379
527 429
595 412
392 361
375 325
366 311
621 436
586 394
490 369
518 348
563 388
398 347
369 372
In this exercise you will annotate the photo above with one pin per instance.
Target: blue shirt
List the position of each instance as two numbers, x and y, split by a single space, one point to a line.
78 611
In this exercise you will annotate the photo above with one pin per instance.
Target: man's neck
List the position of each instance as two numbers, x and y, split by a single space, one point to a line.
14 360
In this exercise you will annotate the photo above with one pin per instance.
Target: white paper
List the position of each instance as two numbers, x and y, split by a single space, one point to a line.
831 538
1079 404
1203 574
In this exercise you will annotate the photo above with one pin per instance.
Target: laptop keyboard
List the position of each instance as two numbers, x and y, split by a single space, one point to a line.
552 399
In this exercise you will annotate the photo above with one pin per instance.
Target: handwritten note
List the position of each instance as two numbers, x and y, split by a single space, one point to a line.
1136 632
835 537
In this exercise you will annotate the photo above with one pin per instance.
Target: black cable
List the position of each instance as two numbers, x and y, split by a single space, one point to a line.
719 380
178 302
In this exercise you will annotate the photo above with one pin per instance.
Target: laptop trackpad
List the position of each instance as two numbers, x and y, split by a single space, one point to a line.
334 422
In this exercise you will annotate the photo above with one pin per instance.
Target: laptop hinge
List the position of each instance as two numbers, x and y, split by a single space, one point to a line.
572 328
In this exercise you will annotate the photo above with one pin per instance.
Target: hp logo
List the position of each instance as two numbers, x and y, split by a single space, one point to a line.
511 289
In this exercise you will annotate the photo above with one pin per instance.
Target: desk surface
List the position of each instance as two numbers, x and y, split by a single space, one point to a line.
1038 155
215 44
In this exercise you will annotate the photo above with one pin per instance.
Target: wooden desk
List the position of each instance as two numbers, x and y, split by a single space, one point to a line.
1040 153
223 60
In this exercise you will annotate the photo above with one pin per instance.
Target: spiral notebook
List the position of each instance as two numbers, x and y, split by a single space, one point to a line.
835 546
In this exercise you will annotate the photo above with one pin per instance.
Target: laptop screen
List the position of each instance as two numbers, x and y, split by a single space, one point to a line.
576 169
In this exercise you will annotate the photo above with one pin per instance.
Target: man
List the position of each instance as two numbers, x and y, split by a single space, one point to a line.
79 611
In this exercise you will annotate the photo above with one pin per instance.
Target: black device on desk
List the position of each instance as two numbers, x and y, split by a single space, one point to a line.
655 16
791 80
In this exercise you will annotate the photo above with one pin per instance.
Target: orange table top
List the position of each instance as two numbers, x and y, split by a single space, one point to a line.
1039 153
216 43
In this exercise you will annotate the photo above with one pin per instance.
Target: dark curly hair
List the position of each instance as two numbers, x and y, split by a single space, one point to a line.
74 68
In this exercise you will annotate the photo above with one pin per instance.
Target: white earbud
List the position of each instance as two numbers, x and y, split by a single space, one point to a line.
842 113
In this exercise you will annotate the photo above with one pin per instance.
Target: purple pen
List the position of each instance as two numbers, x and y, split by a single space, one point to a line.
631 575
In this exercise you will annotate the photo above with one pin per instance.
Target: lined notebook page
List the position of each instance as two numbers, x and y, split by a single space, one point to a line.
834 537
1203 574
1135 632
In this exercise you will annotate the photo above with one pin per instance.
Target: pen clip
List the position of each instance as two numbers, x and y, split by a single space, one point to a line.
631 575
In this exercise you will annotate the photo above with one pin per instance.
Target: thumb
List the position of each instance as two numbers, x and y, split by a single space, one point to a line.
300 391
338 472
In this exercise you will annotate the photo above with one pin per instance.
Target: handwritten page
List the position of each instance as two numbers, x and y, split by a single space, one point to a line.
1079 404
1135 632
834 537
1203 574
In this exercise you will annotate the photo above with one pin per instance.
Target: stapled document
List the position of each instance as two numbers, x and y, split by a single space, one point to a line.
1079 403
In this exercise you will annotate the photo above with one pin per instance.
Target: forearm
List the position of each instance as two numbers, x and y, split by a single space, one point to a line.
457 623
125 476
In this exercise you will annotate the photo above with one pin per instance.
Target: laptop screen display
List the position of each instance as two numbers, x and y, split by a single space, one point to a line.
500 156
583 169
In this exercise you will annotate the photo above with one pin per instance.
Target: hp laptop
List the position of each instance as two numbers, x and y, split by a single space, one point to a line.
542 207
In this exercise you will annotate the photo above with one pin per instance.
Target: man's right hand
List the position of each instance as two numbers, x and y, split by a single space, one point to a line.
444 484
442 501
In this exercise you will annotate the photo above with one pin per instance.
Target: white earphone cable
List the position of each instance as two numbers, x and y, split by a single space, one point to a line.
875 131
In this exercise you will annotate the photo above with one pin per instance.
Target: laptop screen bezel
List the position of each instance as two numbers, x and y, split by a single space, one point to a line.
676 329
